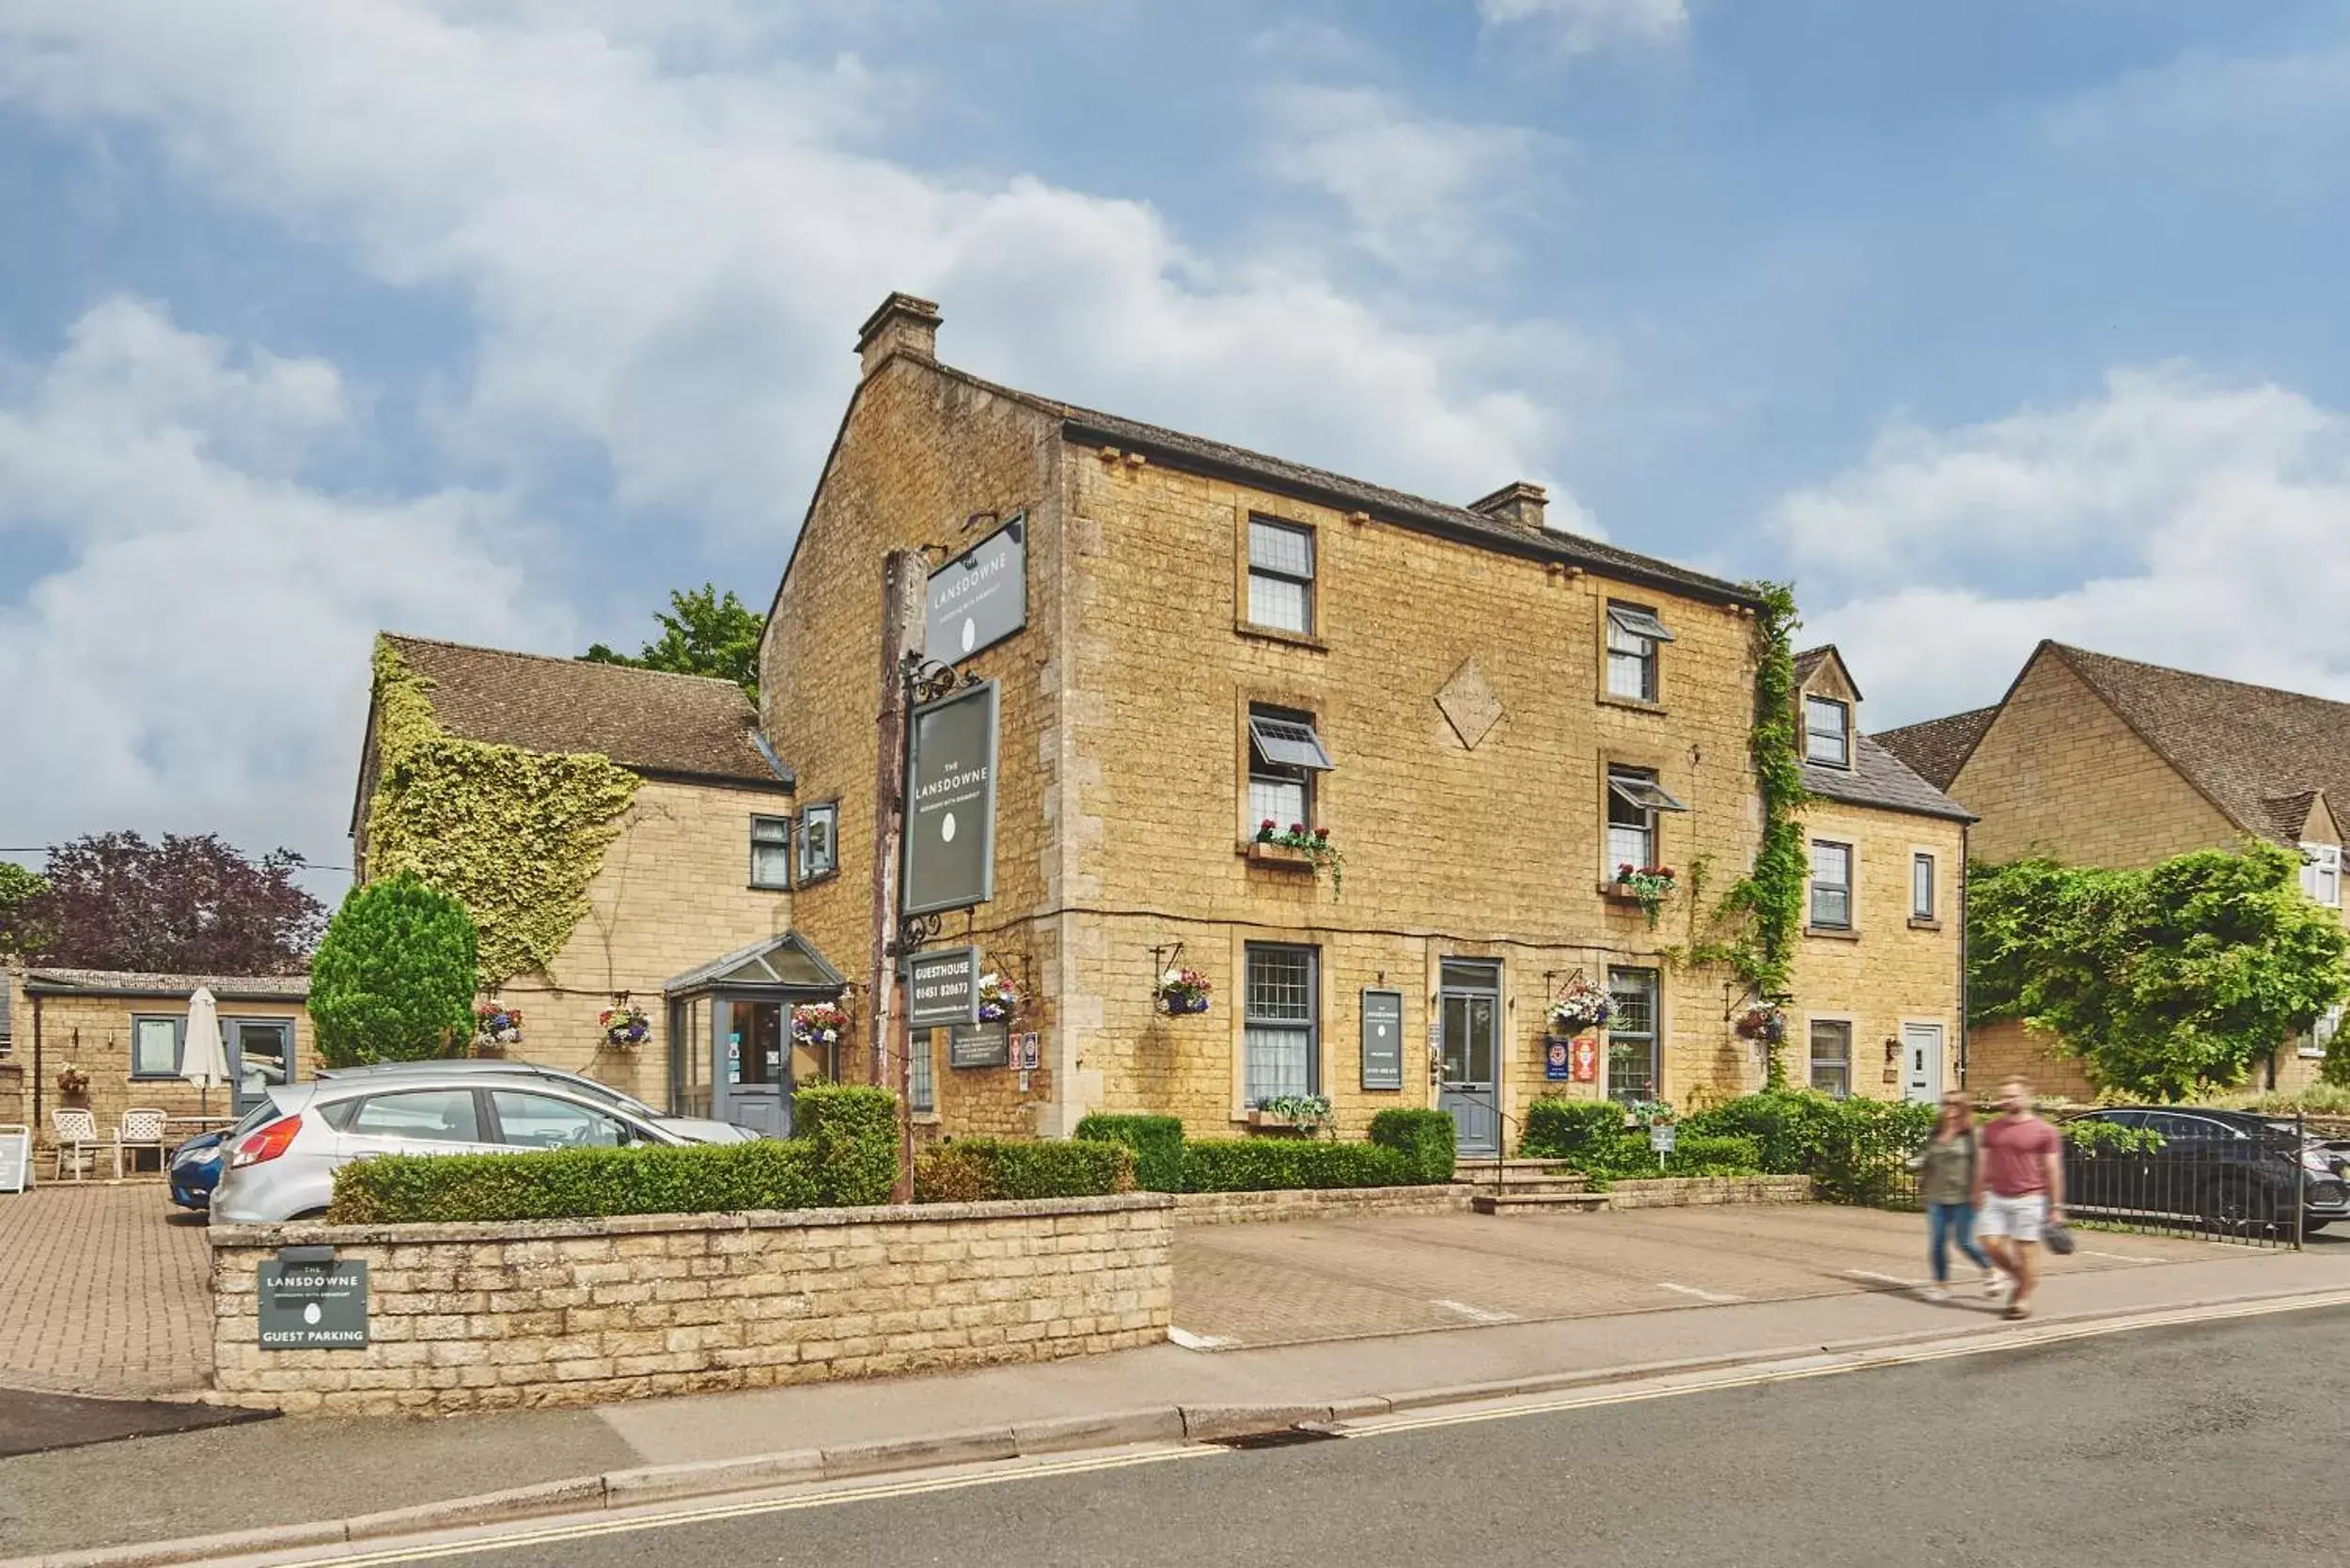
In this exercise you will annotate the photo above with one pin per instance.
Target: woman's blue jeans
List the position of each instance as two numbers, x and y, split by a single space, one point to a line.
1952 1224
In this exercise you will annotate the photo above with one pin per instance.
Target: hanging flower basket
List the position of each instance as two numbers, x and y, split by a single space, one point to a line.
1646 885
1583 1006
497 1026
625 1025
1765 1024
819 1025
72 1082
1182 990
999 999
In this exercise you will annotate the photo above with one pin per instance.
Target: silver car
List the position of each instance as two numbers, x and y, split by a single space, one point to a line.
692 1129
285 1168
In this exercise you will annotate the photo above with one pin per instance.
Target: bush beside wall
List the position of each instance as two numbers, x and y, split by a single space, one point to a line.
1590 1134
854 1132
982 1171
1426 1138
1156 1140
1264 1164
1852 1150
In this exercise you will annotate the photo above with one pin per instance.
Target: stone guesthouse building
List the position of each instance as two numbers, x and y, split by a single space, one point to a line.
2096 760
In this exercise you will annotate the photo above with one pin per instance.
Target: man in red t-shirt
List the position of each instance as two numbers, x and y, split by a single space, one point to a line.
2019 1188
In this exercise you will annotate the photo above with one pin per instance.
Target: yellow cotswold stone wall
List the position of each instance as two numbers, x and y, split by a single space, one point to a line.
673 893
1891 969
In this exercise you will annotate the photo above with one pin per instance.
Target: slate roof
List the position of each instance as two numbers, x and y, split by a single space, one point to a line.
1938 748
1198 454
690 727
2257 753
1879 779
125 982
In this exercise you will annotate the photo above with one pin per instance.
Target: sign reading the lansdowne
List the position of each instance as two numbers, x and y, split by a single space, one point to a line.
981 596
950 803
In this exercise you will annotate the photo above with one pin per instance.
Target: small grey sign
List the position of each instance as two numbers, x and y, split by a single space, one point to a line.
980 1045
950 803
1383 1040
981 596
943 988
308 1306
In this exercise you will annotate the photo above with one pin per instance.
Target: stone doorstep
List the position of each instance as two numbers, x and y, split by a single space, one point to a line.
630 1489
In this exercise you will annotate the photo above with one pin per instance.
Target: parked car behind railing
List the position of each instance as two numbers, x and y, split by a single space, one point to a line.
2232 1171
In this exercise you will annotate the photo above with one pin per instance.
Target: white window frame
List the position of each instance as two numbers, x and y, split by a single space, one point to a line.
2321 873
1813 1061
1648 984
809 864
1852 876
1842 758
1634 667
2314 1041
1264 566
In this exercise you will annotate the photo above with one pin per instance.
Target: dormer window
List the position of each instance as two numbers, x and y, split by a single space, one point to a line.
1828 732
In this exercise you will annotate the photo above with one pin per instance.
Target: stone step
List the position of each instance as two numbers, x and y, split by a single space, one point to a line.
1515 1202
1472 1170
1530 1183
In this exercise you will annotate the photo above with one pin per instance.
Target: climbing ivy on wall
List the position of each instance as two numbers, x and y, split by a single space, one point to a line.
515 836
1759 921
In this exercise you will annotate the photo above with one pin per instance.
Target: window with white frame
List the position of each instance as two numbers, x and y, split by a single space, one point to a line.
155 1046
1831 886
2321 873
1831 1057
1828 732
1281 1023
1634 799
1632 1035
1922 890
819 836
1285 752
1634 636
1281 576
771 852
2314 1041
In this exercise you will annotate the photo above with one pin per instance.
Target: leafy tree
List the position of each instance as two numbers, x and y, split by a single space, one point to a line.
2167 980
703 633
188 905
394 979
22 933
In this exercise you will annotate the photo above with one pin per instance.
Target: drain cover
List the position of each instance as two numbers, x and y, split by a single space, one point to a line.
1287 1436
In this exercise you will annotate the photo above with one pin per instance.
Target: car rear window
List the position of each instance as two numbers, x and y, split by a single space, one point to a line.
419 1116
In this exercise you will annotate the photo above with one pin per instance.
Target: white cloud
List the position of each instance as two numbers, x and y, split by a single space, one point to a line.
198 663
1423 195
2174 517
1580 26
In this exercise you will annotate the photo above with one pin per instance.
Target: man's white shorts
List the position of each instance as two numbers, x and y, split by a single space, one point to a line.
2017 1218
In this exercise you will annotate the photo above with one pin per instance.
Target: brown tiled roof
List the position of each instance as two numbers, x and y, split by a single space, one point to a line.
671 726
2255 752
125 982
1879 779
1394 505
1938 748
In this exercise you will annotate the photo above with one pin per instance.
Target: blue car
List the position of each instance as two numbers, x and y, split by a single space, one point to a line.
194 1168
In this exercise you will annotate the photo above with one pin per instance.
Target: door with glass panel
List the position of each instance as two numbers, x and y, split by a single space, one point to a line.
260 1057
1468 1045
751 1076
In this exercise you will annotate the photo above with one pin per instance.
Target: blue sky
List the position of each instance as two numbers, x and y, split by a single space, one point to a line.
494 319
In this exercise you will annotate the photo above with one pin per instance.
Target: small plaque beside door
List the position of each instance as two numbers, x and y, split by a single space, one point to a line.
1383 1040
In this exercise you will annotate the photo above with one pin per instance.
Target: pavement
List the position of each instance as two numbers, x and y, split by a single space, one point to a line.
2171 1448
76 1499
103 1291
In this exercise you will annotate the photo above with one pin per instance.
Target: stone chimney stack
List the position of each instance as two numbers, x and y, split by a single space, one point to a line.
903 321
1519 505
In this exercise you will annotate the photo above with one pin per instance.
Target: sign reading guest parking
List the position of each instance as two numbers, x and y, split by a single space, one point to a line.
312 1306
981 596
950 803
943 988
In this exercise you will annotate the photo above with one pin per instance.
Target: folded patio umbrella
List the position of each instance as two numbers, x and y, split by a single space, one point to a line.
204 1059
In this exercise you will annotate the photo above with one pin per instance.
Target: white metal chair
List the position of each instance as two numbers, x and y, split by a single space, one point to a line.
141 1128
77 1141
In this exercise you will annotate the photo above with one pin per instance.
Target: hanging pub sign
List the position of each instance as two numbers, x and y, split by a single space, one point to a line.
943 988
1383 1040
981 596
950 803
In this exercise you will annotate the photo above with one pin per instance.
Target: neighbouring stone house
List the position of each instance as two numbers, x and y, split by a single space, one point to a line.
126 1033
687 915
1879 980
1487 715
2097 761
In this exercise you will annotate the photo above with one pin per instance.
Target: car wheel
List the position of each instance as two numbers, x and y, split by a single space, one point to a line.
2312 1227
2227 1205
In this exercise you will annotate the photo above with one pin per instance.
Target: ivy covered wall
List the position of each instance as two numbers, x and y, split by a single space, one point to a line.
515 836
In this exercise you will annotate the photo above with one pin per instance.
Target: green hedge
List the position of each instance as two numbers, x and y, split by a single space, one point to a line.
576 1183
846 1155
1267 1164
1156 1140
1713 1154
1588 1134
980 1170
1855 1151
1427 1139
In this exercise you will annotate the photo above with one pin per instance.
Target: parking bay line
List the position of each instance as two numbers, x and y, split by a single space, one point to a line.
1722 1297
1477 1315
1189 1341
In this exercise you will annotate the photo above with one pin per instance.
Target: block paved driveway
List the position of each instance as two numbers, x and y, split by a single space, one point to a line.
1302 1282
102 1292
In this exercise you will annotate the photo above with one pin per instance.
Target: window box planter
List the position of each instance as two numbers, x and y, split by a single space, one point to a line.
1297 1113
1298 845
1277 855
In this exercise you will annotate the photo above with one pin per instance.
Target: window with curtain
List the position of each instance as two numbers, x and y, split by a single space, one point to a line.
1279 1027
1831 1057
771 852
1285 752
155 1046
1634 637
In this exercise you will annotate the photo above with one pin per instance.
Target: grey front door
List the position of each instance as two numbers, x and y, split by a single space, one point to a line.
750 1066
1468 1047
260 1057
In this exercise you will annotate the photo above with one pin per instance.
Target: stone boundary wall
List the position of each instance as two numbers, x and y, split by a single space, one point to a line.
1245 1208
1689 1192
549 1313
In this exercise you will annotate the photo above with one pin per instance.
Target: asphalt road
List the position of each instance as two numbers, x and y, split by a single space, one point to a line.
2214 1444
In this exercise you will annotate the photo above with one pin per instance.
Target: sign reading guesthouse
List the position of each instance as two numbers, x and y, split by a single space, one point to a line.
950 803
308 1305
981 596
943 988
